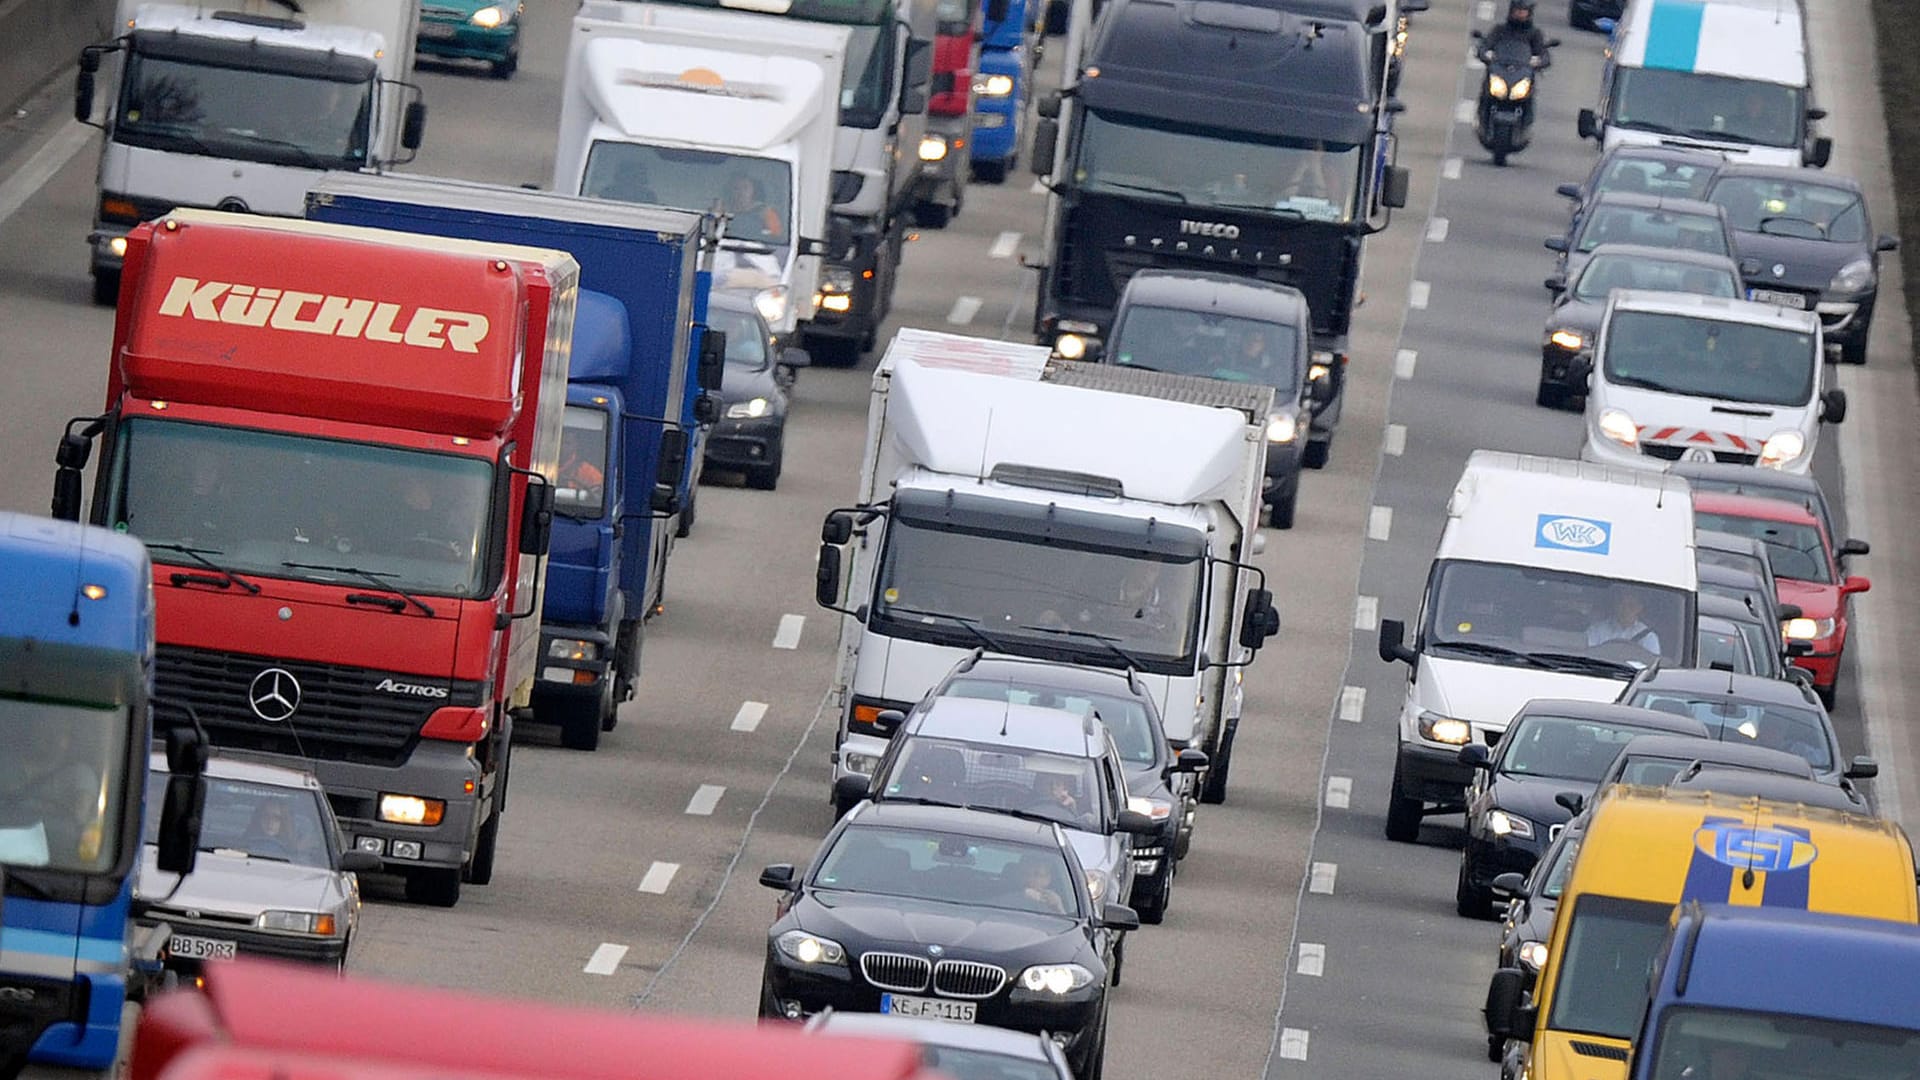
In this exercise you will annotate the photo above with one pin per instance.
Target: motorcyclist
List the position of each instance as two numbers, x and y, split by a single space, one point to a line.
1520 27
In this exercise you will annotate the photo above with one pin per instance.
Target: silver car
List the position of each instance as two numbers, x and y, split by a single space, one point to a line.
272 878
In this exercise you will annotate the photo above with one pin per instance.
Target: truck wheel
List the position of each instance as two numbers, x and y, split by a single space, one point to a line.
1214 792
1403 814
433 885
1854 351
480 867
1317 453
106 287
932 215
990 172
580 724
1280 515
684 528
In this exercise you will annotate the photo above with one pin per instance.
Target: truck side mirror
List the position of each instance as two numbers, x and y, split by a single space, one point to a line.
536 517
1833 406
83 95
665 499
1821 153
706 409
837 529
1394 185
1393 642
919 72
1506 1017
997 10
1589 124
826 577
186 800
413 125
713 358
1261 621
1046 132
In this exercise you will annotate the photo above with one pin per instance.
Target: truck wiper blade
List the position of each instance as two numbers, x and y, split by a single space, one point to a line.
1721 136
1264 208
1587 663
969 625
1109 643
756 247
1149 189
372 578
199 555
306 157
1494 652
391 603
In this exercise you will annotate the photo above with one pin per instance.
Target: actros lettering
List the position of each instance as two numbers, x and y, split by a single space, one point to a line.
316 313
415 689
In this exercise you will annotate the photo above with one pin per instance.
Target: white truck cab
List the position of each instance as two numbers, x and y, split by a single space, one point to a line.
1677 377
1553 579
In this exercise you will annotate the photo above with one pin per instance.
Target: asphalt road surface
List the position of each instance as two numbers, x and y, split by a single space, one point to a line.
1300 942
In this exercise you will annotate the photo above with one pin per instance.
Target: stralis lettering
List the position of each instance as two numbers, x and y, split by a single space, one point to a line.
414 689
1210 228
314 313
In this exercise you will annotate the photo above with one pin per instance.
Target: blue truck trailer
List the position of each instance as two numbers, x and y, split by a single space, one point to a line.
1008 48
638 409
76 682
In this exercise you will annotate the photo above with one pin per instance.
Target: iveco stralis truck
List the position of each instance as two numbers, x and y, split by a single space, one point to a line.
1072 512
1233 138
241 105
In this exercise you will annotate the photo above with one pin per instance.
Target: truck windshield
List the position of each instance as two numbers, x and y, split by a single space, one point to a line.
1707 358
262 821
582 491
756 191
949 586
1137 157
61 778
253 501
1602 985
1703 1043
1225 347
1711 108
1528 616
243 114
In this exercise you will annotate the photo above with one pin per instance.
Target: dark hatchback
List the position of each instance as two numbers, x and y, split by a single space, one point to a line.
751 434
949 914
1513 804
1645 220
1655 760
1646 170
1804 242
1532 898
1779 714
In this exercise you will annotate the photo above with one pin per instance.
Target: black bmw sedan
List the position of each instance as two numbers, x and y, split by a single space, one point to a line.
947 913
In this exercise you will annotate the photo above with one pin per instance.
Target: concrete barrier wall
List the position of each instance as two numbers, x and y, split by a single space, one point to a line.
41 38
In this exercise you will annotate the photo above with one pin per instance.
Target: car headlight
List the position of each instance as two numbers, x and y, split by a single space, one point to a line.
1520 90
1055 978
1856 276
1496 87
808 948
1534 954
864 764
488 17
1070 346
1444 729
1809 629
751 409
1282 427
411 810
933 147
299 922
572 649
1157 809
771 303
1501 823
1619 427
836 279
1569 340
1781 448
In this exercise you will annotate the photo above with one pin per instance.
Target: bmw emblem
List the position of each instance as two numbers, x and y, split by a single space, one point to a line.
935 950
274 695
1779 269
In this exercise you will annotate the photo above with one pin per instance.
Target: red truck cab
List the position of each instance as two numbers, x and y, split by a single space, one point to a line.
339 446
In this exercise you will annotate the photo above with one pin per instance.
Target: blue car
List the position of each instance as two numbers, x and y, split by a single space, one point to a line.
472 30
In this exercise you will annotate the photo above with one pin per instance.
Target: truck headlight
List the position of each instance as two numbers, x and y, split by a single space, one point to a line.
1534 954
933 147
1496 87
572 649
1055 978
1809 629
1619 427
836 279
995 86
1444 729
1282 427
118 245
1569 340
751 409
1070 346
298 922
1782 448
856 762
488 17
1856 276
771 303
1157 809
411 810
1501 823
810 949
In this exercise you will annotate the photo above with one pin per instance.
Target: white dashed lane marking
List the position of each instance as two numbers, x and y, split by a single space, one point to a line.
605 959
1380 523
1321 876
1313 958
1293 1044
1418 295
749 716
1436 230
788 635
1395 442
964 309
1403 362
705 799
1450 168
1339 791
1463 112
658 877
1353 703
1004 245
1366 613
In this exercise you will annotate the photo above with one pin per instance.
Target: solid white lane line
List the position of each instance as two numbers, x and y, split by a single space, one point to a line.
788 635
749 716
1293 1044
1403 362
658 877
1353 703
1366 613
1395 442
47 161
1437 229
1321 877
1339 791
705 799
1419 294
1313 958
1380 523
1463 112
1004 245
605 959
1450 168
964 309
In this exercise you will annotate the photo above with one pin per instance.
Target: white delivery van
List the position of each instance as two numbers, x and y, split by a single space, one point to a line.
1730 76
1553 579
1704 378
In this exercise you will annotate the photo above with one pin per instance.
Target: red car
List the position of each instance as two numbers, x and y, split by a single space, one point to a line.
1806 566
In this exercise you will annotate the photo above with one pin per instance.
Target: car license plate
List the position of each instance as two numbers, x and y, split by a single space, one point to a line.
438 30
928 1008
989 120
188 947
1784 299
1507 115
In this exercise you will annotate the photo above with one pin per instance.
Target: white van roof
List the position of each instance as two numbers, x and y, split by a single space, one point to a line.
1762 40
1574 516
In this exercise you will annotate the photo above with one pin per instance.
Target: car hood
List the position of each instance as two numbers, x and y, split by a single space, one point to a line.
1816 601
862 922
1804 263
241 886
1488 695
1531 797
1581 315
1097 851
465 8
1145 781
741 383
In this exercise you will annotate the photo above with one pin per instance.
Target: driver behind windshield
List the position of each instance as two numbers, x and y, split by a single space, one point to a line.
1620 622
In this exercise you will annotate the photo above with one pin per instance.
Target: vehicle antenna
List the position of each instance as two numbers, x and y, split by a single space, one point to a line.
1746 876
1006 713
79 573
985 438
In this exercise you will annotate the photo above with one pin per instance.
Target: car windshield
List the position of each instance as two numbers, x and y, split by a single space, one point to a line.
1125 717
1489 610
1562 747
949 868
1214 346
755 191
1602 985
1617 223
415 520
1792 208
1732 560
261 821
1798 731
243 113
1797 550
1607 272
746 337
1560 869
1709 358
582 491
62 776
1763 646
1712 108
1721 645
992 776
952 585
964 1064
1705 1043
1138 158
1652 771
1653 176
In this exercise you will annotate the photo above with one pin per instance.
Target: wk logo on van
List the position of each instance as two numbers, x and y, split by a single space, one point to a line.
1562 533
316 313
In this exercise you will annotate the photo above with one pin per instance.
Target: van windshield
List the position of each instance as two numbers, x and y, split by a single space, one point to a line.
1744 1043
1712 108
1528 616
1708 358
1602 985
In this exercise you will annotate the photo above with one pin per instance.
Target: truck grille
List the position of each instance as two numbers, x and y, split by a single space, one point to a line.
967 979
896 971
339 715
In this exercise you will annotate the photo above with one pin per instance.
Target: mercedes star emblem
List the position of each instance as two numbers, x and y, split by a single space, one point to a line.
274 695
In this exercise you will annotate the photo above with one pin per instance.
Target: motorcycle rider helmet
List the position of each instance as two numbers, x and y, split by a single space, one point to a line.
1520 13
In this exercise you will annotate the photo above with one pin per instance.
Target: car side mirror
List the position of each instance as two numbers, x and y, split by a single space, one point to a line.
1579 368
1509 883
1477 35
713 358
1854 583
1798 648
1588 124
1886 242
1119 917
1571 801
1571 191
1475 756
1790 611
1816 113
795 357
1553 43
1556 243
889 721
851 789
1821 153
1833 406
826 577
1862 768
1605 25
1261 621
778 876
536 518
1556 284
1135 823
1046 132
1506 1017
1855 547
1410 7
355 861
1189 760
1393 642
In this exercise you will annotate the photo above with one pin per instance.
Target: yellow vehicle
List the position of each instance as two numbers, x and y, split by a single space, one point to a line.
1646 850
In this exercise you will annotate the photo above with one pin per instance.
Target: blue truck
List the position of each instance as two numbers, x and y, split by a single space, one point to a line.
76 684
638 409
1008 50
1778 991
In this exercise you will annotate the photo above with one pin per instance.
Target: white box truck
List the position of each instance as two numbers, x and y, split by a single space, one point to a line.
241 106
1081 513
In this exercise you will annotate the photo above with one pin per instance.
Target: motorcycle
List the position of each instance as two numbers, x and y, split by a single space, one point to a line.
1504 120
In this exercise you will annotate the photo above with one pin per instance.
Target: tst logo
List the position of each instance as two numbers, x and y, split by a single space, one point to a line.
1743 846
314 313
1218 229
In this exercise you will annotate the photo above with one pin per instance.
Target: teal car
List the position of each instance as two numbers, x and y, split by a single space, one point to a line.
472 30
